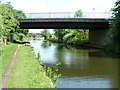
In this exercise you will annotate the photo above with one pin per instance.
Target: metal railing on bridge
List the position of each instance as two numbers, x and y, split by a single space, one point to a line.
68 15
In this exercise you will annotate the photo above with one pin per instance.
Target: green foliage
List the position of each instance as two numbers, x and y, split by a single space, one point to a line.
54 38
21 35
113 44
38 56
46 34
71 36
60 33
34 35
51 72
1 26
76 37
27 72
18 14
78 13
9 22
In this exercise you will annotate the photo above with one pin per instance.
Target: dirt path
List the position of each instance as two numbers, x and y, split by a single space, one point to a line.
6 77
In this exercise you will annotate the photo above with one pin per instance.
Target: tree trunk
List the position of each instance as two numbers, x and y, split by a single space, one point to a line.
5 41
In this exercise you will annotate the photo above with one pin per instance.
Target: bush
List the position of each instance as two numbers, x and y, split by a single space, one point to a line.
113 44
54 38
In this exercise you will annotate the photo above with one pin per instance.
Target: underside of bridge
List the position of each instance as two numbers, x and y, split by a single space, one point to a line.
64 23
97 27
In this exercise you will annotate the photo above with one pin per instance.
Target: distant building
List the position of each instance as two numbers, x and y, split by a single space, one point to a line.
38 34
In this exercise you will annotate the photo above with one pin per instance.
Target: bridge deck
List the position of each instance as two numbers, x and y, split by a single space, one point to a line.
64 23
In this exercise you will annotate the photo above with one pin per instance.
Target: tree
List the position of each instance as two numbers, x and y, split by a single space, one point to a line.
78 13
76 37
53 38
73 36
46 34
60 33
113 44
18 14
8 22
19 33
1 26
34 35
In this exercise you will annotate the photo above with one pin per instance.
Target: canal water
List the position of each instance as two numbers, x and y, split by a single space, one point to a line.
80 68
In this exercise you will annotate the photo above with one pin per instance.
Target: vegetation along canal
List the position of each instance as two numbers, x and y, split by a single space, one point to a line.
79 68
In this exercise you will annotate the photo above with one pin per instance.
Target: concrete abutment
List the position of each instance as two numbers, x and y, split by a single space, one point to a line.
98 38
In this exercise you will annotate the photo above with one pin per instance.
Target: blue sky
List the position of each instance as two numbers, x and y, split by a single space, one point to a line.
29 6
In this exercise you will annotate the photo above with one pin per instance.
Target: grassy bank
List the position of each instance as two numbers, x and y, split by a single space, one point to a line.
7 55
27 72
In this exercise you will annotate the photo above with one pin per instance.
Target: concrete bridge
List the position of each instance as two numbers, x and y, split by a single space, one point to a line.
96 25
64 23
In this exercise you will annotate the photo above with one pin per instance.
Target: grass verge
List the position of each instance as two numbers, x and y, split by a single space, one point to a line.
27 72
7 55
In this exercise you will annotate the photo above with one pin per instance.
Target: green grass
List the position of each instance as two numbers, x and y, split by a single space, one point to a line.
27 72
7 55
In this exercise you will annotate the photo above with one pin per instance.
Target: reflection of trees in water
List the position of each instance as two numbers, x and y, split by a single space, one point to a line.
46 44
102 54
83 63
62 46
71 57
94 68
97 53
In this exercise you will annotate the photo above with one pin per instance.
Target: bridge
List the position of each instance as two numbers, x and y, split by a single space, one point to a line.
64 23
95 22
65 20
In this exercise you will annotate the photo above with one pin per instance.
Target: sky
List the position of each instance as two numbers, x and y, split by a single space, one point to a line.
62 5
29 6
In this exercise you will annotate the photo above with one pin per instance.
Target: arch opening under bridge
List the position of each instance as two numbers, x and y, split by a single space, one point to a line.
97 26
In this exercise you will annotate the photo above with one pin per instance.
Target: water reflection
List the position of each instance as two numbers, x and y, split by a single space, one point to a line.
79 68
46 44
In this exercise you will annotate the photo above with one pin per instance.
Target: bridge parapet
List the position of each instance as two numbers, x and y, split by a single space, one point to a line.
68 15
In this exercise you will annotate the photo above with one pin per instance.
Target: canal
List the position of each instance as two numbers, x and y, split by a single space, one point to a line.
80 68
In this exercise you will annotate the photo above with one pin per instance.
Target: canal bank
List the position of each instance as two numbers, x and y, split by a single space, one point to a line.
80 68
27 72
84 45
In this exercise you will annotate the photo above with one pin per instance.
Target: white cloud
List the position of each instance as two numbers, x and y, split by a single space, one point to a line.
62 5
88 5
30 6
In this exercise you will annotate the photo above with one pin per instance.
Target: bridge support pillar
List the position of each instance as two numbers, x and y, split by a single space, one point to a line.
97 38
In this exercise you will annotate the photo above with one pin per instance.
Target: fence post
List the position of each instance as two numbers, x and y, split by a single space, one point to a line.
69 14
49 14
